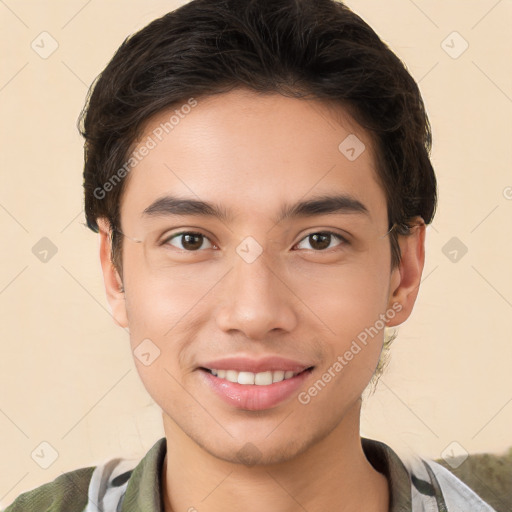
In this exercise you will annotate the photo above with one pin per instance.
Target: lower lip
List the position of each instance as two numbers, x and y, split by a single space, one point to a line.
253 397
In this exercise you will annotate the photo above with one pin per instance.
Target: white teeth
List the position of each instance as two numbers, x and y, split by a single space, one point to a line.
246 378
232 376
279 376
263 378
250 378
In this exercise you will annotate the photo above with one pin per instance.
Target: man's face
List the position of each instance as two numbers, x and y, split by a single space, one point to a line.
253 292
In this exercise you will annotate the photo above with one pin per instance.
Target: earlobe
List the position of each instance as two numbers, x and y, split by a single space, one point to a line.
406 278
111 278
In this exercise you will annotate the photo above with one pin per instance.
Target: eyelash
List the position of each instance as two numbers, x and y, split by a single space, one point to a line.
343 240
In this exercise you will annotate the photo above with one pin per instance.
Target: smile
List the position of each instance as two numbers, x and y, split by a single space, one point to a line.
249 378
254 391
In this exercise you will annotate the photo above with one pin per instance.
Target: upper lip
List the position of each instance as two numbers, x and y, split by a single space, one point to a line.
264 364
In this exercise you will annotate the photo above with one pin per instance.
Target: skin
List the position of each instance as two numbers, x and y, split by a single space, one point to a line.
252 154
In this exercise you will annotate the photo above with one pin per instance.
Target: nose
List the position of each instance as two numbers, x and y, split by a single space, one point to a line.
256 300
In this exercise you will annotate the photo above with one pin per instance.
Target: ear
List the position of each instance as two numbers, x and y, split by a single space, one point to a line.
111 277
406 278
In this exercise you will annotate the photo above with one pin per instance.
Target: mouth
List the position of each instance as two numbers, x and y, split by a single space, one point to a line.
266 387
265 378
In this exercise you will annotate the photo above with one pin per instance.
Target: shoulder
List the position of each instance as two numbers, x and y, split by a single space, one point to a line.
456 494
80 490
420 484
103 487
436 487
68 492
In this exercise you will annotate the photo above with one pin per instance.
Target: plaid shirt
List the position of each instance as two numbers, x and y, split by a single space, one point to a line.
121 485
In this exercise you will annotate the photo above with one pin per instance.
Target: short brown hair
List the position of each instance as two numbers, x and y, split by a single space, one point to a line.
315 48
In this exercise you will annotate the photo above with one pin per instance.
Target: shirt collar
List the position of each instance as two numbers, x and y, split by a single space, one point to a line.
386 461
144 489
143 493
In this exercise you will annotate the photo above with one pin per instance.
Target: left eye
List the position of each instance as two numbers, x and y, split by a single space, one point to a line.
190 241
322 240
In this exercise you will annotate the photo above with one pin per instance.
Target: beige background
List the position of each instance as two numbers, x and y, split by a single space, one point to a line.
66 372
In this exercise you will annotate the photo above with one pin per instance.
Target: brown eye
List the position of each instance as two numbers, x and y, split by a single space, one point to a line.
190 241
322 240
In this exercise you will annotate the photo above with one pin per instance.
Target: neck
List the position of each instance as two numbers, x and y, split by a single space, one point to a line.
332 474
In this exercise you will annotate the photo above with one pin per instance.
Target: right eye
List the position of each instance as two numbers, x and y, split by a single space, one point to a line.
189 241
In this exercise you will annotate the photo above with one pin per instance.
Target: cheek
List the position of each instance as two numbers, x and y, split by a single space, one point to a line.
157 301
345 299
164 313
350 307
161 324
348 302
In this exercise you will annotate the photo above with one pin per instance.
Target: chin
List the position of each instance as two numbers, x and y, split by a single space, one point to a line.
270 448
251 454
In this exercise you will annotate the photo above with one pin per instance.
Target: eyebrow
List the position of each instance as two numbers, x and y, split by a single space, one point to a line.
321 205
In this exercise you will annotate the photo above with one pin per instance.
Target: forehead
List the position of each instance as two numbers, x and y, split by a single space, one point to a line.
253 153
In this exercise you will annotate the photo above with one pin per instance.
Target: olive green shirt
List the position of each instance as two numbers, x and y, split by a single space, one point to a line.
111 487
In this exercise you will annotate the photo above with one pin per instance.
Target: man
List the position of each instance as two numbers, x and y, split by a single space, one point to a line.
259 175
